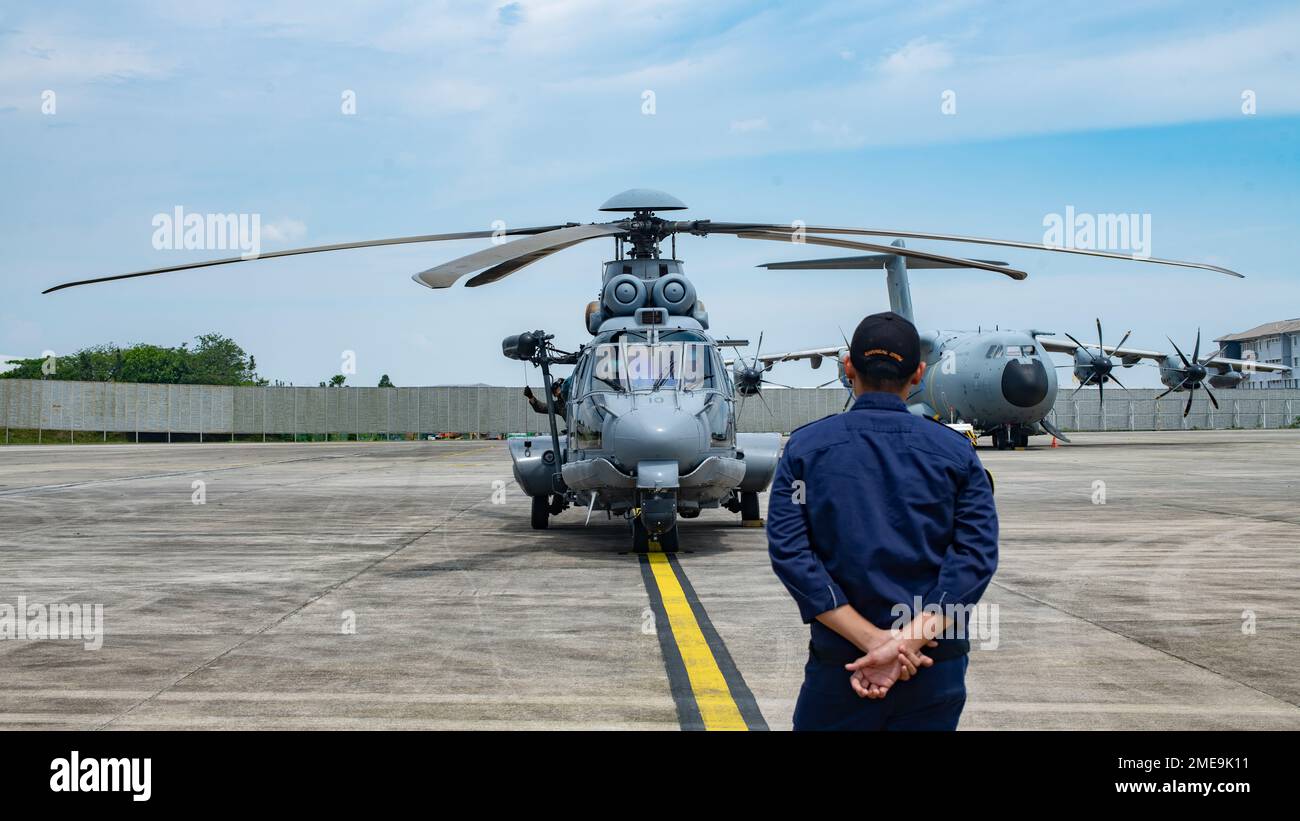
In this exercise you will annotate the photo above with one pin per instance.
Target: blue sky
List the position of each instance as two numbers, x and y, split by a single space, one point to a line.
532 113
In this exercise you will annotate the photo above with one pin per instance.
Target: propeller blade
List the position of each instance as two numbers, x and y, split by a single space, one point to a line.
1211 357
1127 334
1171 390
704 227
1115 379
847 401
759 348
826 384
315 249
1196 352
1077 342
1101 396
910 253
1186 364
1101 345
1210 395
446 275
764 401
1190 396
1082 385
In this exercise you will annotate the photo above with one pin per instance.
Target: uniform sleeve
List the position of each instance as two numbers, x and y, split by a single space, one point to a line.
973 556
796 564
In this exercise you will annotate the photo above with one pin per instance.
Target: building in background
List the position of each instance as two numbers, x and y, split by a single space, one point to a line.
1274 342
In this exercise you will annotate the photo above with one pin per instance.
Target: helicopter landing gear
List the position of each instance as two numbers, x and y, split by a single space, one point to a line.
667 542
541 513
749 516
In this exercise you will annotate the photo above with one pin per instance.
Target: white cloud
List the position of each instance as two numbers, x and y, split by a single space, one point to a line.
284 230
917 57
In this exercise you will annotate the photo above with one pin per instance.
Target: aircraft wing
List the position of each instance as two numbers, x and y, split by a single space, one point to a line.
769 359
1131 355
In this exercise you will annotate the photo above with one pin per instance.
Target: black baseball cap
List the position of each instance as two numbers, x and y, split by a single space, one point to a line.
886 338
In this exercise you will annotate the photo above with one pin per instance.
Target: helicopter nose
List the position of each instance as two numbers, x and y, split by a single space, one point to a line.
657 434
1024 385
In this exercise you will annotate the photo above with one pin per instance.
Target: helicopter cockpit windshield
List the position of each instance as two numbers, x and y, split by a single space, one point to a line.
631 363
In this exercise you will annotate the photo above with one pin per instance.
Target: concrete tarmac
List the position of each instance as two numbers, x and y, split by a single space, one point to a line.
384 585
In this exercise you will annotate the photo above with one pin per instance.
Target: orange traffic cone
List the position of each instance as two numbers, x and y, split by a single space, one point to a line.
1054 442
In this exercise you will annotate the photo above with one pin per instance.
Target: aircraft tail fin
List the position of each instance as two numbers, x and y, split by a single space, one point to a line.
900 290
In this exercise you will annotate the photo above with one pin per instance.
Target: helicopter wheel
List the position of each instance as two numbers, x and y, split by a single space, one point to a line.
541 513
749 515
668 542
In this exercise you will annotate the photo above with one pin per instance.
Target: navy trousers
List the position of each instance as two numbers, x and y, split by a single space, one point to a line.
932 700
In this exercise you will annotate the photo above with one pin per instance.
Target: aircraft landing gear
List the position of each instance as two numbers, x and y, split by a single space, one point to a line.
749 515
668 541
541 513
1008 438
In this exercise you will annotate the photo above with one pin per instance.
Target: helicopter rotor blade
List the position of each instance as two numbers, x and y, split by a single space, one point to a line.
910 253
315 249
446 275
703 227
505 269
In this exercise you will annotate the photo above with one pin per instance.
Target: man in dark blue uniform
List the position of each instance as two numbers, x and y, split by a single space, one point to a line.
882 526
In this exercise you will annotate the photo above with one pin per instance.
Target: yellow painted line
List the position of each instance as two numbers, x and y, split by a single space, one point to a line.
717 708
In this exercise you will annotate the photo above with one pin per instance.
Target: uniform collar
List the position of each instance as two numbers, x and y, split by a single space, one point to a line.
872 400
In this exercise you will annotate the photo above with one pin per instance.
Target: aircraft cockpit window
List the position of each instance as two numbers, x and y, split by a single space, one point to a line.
994 352
637 366
1013 350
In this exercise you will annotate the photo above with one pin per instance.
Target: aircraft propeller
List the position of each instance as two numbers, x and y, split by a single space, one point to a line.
1193 373
1099 367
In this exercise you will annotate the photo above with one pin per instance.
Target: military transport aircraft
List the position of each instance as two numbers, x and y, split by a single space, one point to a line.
1002 382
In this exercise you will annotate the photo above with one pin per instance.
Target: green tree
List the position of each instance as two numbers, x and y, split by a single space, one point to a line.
337 380
215 360
385 382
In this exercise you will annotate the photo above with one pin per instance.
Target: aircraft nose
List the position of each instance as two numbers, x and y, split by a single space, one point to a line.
654 434
1024 385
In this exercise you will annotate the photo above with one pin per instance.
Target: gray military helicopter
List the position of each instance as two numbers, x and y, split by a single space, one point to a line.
649 412
1002 383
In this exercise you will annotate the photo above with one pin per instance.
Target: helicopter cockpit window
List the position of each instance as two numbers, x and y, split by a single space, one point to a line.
640 366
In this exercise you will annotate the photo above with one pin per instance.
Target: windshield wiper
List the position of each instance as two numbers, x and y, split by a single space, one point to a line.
618 386
672 363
